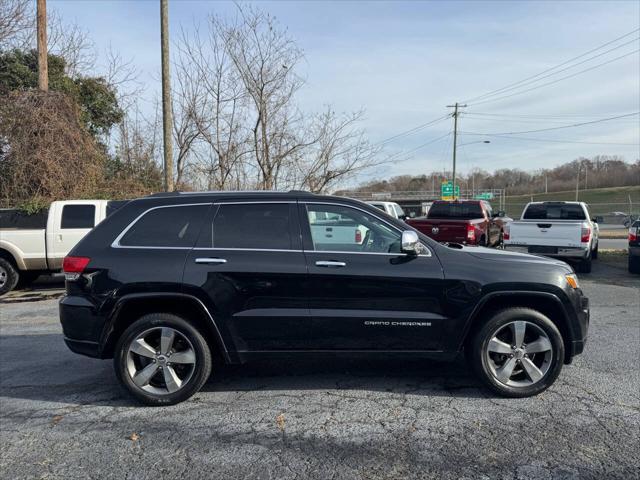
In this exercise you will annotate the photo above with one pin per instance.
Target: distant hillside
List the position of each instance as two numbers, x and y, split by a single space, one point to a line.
601 200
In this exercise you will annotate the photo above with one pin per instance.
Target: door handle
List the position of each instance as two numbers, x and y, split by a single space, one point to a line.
211 260
330 263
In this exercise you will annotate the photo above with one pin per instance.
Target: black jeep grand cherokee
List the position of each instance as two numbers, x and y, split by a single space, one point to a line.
171 281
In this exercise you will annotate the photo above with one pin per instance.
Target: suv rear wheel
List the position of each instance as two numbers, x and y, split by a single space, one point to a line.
517 353
161 359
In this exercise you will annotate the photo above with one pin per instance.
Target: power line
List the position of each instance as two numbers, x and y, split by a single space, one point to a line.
413 130
552 68
564 69
541 116
559 79
507 137
428 143
565 126
532 121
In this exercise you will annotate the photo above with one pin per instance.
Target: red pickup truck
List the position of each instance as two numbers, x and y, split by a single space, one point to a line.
470 222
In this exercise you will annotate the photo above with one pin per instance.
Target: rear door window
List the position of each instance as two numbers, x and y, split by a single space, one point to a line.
554 211
172 227
78 216
267 226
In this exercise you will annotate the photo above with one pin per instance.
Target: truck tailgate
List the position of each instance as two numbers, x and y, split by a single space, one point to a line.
442 230
556 233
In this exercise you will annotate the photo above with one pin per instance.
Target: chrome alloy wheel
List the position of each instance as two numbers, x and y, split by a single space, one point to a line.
161 360
519 354
3 276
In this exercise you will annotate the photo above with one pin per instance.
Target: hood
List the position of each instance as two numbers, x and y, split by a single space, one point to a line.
507 256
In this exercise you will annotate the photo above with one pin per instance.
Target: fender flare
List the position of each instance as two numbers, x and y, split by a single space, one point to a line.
511 293
122 301
14 252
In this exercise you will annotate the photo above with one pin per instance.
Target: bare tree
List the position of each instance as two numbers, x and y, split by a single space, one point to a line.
265 58
341 152
17 21
237 124
67 40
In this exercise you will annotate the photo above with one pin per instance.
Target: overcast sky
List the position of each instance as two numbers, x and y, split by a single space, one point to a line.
404 62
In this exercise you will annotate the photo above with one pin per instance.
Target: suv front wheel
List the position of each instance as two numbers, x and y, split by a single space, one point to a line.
519 352
161 359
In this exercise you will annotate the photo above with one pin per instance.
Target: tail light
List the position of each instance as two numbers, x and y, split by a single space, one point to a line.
506 234
633 234
74 266
585 234
471 233
358 236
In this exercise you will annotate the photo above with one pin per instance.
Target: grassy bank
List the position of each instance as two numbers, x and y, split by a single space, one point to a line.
601 200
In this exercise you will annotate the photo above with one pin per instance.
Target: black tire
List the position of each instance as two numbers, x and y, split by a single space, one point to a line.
9 276
27 278
201 368
594 254
634 264
479 344
584 266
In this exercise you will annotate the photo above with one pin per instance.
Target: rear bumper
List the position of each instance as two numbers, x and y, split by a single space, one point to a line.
560 252
82 325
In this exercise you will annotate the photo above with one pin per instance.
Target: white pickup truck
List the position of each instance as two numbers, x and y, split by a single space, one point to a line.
31 245
555 229
390 208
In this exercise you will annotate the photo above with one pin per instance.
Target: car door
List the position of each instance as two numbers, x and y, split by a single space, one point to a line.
69 222
493 227
249 269
364 294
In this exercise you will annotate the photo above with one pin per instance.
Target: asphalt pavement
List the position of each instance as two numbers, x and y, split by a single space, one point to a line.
64 416
613 243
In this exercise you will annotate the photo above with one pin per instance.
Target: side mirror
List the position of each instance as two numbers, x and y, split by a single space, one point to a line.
597 219
410 242
501 213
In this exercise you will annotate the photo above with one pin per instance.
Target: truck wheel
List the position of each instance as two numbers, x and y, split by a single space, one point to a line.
634 264
594 254
161 359
27 278
9 276
584 266
517 353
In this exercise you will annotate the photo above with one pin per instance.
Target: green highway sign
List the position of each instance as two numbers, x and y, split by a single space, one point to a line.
446 191
484 196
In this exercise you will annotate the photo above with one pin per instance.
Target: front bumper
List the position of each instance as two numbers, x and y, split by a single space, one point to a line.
82 325
581 308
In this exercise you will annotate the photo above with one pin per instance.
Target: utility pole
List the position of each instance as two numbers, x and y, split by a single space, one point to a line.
455 141
578 182
41 26
167 121
546 189
586 176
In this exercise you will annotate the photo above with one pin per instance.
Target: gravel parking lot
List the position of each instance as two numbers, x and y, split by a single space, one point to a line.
64 416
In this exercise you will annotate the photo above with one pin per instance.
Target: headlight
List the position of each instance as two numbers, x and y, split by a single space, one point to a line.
572 280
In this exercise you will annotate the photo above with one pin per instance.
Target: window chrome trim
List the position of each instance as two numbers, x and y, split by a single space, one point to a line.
116 242
393 227
254 202
248 249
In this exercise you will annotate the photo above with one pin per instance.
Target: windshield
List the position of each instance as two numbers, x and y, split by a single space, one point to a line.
554 211
463 211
